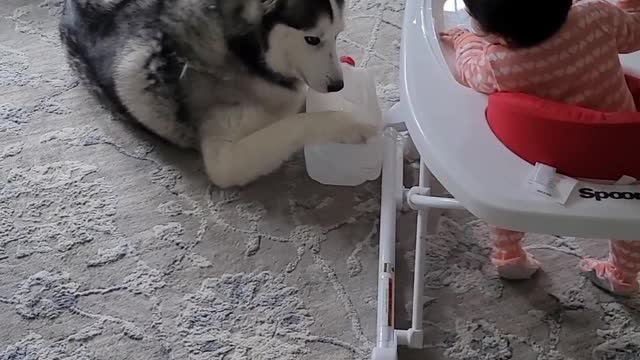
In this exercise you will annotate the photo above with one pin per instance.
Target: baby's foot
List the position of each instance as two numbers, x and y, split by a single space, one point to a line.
519 267
604 275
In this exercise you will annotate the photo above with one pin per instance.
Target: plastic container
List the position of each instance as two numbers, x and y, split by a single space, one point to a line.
347 164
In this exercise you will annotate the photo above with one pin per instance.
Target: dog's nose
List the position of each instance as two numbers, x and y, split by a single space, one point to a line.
335 86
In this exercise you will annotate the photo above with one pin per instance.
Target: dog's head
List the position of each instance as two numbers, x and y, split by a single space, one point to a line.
301 40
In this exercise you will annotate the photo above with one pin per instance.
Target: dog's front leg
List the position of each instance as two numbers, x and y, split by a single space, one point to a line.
237 160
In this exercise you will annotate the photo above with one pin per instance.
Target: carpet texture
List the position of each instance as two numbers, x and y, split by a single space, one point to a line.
114 246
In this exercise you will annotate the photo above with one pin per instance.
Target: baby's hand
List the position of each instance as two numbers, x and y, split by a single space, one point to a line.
449 36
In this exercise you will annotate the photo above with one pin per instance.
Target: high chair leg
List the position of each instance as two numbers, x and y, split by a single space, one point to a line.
394 196
414 335
386 342
394 118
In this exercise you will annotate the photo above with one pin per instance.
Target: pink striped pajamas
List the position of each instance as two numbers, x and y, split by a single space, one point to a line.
577 65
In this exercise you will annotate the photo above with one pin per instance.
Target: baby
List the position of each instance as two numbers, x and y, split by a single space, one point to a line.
564 51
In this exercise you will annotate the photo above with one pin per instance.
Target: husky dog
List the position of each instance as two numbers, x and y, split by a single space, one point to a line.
224 76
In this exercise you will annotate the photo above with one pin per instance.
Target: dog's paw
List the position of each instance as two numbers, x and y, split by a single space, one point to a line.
349 128
183 136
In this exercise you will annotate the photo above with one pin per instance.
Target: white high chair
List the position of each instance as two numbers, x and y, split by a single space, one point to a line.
447 125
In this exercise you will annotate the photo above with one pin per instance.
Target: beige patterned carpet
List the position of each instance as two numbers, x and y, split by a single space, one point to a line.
114 246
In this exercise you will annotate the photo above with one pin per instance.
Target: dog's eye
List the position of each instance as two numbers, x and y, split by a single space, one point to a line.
312 40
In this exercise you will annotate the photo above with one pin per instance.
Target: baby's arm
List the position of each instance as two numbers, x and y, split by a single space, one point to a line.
624 19
473 65
630 6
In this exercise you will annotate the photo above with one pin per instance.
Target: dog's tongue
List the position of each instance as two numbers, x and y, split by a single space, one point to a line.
348 60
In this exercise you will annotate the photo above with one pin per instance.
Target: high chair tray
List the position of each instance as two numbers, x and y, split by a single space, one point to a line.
447 124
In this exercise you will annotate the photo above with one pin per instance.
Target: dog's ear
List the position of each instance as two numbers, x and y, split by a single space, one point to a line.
246 11
240 16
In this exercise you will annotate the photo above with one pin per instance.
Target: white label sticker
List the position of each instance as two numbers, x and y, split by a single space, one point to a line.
546 182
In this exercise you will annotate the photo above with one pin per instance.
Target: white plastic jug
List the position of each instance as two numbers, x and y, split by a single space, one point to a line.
347 164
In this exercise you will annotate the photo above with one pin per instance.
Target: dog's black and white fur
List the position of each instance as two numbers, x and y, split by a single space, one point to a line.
225 76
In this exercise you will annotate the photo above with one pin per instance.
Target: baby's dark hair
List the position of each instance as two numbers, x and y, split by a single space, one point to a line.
521 23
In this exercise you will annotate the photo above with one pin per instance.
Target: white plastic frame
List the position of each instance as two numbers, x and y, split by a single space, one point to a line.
432 105
394 197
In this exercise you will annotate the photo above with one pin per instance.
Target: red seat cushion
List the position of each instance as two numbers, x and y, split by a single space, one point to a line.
579 142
